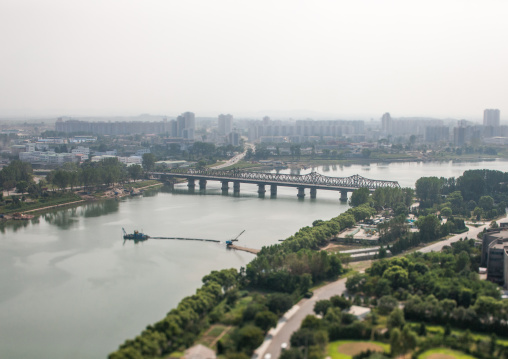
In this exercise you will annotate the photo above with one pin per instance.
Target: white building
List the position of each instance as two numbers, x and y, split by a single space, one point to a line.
48 158
81 149
142 151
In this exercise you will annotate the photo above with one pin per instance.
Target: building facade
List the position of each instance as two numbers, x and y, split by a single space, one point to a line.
491 117
495 255
225 124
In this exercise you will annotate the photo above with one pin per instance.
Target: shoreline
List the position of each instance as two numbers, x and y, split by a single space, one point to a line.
87 200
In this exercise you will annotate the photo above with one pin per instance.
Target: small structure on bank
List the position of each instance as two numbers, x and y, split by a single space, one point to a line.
359 312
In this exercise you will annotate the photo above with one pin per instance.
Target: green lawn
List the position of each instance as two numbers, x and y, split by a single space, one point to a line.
216 331
141 184
437 329
443 351
54 199
359 345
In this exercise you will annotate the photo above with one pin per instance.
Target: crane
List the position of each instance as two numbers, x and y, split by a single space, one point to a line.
230 242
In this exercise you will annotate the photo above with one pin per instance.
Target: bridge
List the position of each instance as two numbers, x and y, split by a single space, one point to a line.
312 181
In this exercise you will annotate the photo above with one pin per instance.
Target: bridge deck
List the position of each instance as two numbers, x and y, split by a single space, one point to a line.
312 180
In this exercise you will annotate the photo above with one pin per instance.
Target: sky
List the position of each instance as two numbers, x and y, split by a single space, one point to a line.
343 59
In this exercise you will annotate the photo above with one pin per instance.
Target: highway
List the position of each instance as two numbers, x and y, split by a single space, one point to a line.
292 320
235 159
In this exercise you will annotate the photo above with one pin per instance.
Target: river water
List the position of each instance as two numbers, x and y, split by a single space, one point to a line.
71 288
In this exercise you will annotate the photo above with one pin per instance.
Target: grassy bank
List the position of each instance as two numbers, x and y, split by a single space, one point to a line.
53 199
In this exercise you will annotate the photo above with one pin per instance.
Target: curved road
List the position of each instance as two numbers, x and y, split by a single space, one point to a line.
234 159
292 320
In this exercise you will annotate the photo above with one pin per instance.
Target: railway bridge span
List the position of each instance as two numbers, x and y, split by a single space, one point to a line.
312 181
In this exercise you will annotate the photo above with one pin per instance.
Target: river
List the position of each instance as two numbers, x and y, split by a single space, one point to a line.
71 287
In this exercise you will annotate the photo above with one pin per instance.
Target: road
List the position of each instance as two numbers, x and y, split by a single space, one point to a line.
234 159
287 326
472 233
293 318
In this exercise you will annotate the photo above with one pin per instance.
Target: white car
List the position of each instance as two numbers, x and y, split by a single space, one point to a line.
284 346
268 356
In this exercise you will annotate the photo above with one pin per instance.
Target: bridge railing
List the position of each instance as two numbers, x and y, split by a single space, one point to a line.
312 178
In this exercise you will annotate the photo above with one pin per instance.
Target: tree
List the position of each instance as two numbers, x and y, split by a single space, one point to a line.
446 212
397 276
387 304
21 186
321 306
395 342
366 153
135 171
249 338
408 338
478 213
201 165
396 319
61 179
359 197
148 161
265 320
279 303
428 189
486 203
430 227
291 353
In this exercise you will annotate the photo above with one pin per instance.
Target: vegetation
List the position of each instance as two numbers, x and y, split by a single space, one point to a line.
436 288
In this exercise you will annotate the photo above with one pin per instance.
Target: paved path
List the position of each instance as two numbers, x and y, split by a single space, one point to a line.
472 233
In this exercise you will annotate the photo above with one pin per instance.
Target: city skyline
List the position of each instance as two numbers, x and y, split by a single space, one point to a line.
331 59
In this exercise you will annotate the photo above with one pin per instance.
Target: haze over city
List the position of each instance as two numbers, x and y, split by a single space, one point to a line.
301 59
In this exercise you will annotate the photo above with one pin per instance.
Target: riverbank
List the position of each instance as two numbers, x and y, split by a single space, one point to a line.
73 198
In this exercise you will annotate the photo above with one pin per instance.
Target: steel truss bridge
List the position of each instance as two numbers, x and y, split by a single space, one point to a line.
313 181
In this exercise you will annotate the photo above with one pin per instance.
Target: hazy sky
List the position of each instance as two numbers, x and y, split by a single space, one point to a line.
347 58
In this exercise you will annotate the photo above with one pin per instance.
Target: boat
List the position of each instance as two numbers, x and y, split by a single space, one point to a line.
136 236
22 216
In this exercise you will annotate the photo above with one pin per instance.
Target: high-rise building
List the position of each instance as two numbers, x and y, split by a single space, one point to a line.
225 125
437 134
186 125
491 117
386 122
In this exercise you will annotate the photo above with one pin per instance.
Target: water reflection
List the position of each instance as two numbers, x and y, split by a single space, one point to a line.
64 219
100 208
150 192
16 225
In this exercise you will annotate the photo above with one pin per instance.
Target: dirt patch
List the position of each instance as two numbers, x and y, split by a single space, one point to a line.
441 356
334 247
356 348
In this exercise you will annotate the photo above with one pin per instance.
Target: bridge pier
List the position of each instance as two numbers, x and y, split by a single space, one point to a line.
343 196
191 183
273 190
301 192
261 189
224 185
236 186
202 184
313 192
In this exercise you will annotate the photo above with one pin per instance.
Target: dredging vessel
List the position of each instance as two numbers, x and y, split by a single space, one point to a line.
137 236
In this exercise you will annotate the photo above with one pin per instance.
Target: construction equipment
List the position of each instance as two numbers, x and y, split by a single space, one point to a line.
230 242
